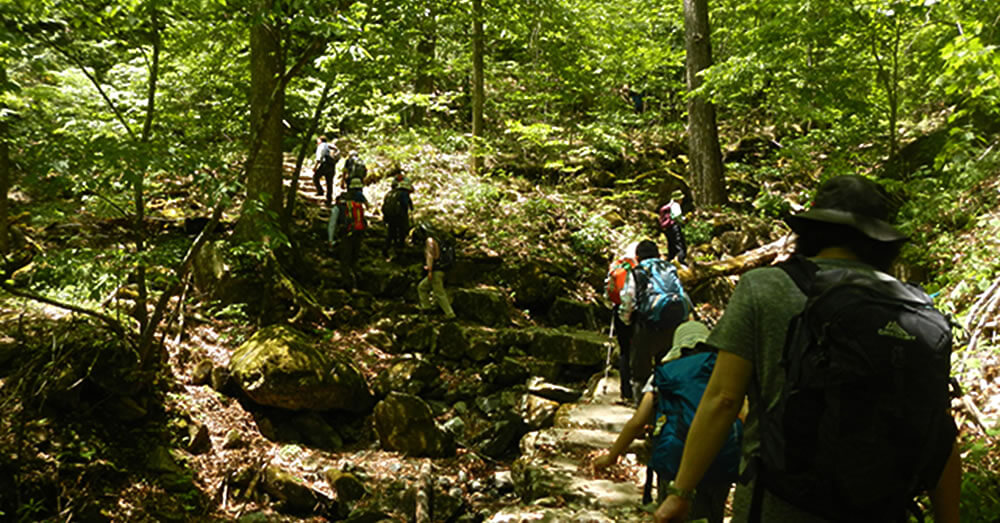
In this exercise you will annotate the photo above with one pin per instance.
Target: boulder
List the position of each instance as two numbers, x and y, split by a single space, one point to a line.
404 422
538 413
558 393
349 487
565 311
483 305
292 492
507 371
208 267
409 375
279 366
316 431
456 341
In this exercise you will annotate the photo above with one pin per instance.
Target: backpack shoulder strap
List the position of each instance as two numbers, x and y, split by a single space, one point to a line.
801 270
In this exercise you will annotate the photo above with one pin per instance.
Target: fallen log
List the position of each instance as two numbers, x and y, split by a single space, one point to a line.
699 272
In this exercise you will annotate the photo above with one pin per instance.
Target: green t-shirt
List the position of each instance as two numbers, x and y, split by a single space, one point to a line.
753 328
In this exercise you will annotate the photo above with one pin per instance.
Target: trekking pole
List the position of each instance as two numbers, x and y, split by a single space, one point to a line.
607 360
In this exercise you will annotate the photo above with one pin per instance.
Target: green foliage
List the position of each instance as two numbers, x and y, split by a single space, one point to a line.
591 239
697 232
980 486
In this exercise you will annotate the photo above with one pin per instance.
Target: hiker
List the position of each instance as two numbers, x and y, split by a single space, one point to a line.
671 217
338 211
845 234
653 300
325 167
354 225
354 169
615 281
439 256
396 208
669 400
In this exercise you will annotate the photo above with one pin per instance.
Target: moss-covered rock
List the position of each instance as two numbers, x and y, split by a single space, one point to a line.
281 367
405 423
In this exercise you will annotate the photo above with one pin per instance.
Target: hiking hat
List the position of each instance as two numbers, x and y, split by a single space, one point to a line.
687 335
854 201
406 183
646 249
356 183
677 195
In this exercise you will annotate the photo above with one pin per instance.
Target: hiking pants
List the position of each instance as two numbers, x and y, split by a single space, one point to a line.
351 250
623 333
676 244
435 284
647 345
396 230
325 171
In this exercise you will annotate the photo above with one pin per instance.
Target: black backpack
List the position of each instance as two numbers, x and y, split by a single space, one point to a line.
862 423
446 245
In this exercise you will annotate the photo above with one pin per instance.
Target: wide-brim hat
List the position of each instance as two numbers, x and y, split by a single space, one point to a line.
687 336
677 195
406 183
356 183
854 201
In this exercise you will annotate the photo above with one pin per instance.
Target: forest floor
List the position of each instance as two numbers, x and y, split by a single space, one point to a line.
216 337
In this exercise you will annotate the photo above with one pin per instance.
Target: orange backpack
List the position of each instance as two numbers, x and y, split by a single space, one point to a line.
616 278
356 216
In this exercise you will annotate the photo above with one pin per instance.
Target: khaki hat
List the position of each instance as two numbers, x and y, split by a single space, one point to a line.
406 183
356 183
687 335
854 201
677 195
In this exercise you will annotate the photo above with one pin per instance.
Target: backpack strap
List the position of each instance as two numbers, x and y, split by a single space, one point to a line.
801 270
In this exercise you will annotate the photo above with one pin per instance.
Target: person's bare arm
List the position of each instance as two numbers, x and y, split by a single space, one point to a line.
946 494
633 427
719 407
430 254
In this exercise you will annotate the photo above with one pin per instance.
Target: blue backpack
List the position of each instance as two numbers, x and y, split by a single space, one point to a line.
660 297
680 384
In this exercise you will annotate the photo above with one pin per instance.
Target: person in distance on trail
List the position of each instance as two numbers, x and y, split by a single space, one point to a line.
354 169
845 232
669 399
653 300
396 207
614 284
354 225
325 167
671 217
439 256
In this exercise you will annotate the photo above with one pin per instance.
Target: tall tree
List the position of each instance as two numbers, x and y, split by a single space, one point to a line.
267 100
477 85
4 167
703 135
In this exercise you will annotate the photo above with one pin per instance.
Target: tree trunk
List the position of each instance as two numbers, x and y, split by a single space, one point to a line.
267 102
703 136
426 49
138 190
4 171
477 85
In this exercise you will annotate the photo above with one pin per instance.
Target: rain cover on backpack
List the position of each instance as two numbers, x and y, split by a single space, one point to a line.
862 422
680 384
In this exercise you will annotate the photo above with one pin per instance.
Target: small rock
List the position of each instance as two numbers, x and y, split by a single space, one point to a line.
198 441
202 372
233 440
